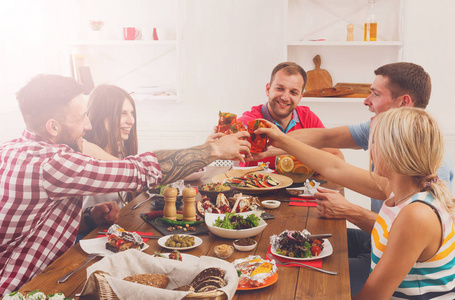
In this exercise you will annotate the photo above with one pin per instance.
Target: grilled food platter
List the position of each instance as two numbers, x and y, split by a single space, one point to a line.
256 182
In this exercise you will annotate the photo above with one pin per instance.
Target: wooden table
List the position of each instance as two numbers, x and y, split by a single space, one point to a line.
293 282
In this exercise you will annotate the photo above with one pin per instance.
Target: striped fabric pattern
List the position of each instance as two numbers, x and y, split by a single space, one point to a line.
432 279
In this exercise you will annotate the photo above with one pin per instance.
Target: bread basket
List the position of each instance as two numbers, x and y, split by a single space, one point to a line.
105 292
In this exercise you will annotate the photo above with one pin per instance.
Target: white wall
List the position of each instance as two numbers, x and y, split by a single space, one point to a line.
229 48
228 51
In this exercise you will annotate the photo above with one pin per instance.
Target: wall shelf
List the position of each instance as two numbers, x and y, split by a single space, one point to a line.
330 100
122 43
345 43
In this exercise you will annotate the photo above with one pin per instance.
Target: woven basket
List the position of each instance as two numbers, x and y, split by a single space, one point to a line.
105 291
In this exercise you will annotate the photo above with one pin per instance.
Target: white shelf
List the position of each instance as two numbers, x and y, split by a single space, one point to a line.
122 43
330 100
346 43
143 97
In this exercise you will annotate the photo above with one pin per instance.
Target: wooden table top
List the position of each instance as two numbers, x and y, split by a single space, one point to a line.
293 282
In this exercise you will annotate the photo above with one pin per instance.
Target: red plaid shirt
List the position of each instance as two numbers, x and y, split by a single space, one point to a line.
41 189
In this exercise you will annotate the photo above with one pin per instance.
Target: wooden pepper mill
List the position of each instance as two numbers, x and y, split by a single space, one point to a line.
189 201
170 196
350 36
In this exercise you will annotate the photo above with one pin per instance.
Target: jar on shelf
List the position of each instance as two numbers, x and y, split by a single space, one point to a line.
371 23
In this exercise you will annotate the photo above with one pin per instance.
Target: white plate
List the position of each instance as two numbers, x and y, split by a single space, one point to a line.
162 242
327 251
98 245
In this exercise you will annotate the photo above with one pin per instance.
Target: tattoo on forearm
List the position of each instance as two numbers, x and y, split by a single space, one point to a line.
176 164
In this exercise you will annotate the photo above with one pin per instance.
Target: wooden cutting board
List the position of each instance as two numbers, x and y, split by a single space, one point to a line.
359 88
329 92
318 78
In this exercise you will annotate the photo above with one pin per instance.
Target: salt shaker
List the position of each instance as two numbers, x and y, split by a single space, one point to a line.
170 196
189 208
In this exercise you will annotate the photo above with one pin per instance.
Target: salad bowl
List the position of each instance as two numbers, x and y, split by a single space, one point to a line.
233 233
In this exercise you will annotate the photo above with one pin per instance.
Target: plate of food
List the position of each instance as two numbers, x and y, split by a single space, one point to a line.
299 192
116 240
292 244
179 241
256 182
237 203
213 189
255 272
268 282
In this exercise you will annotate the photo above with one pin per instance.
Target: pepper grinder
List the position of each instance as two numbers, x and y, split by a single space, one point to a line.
350 36
170 196
189 208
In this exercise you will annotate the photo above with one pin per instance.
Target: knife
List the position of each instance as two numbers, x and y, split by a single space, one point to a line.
319 236
302 200
141 235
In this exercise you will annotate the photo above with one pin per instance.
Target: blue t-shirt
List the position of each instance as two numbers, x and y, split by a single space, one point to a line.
361 133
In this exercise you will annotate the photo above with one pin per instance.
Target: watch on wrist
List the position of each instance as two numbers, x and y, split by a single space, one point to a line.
87 215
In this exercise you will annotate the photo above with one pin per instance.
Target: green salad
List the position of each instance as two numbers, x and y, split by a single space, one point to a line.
233 221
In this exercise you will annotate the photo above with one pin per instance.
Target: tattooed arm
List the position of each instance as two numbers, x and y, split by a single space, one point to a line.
176 164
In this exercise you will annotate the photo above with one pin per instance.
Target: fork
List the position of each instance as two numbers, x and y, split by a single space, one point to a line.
297 263
90 257
140 203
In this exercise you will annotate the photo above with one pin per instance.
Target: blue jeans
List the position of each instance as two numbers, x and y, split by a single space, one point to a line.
376 205
359 252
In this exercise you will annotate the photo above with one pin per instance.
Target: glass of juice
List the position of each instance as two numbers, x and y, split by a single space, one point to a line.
258 141
237 127
225 121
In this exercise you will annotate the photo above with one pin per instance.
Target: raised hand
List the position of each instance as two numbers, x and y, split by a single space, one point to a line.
331 204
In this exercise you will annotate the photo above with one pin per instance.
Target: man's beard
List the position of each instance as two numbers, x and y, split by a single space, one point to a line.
67 139
278 112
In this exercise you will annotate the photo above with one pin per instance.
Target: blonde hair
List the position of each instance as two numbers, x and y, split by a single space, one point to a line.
409 141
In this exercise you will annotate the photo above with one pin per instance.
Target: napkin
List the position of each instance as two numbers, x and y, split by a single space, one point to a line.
314 263
301 202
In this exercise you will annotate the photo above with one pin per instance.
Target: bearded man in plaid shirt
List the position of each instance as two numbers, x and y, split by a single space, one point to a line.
44 175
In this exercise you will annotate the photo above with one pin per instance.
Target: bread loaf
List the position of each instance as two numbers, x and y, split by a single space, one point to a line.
155 280
207 272
208 280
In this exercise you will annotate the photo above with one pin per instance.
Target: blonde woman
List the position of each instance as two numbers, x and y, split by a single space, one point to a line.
413 238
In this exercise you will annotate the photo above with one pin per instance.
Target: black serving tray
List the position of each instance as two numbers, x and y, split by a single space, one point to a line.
162 227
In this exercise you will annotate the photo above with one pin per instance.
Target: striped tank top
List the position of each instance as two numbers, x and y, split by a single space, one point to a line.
432 279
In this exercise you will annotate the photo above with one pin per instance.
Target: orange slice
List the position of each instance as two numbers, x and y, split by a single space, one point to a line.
286 164
301 169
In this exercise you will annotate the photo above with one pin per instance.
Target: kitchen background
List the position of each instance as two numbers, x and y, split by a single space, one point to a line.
193 58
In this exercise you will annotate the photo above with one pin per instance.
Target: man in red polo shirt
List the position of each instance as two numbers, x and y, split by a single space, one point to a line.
284 93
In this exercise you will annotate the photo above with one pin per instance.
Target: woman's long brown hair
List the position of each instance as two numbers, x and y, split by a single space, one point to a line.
105 103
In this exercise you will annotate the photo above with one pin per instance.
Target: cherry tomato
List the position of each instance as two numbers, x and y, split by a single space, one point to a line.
315 250
118 243
317 242
175 255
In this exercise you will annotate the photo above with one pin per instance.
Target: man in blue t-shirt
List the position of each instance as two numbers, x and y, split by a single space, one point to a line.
395 85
